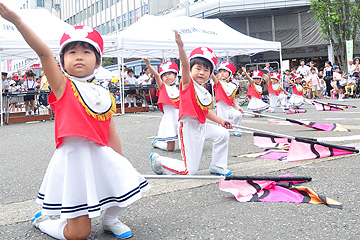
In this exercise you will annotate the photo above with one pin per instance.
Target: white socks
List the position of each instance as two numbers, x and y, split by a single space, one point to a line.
161 145
54 228
111 216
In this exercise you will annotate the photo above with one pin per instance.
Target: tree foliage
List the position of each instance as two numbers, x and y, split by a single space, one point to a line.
339 21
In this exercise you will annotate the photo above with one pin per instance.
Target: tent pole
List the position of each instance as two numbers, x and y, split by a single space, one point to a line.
122 85
1 100
281 67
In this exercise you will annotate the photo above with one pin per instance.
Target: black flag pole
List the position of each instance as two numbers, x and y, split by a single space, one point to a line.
299 139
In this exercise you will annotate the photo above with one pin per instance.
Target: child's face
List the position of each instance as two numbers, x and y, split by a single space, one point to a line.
80 61
200 73
130 74
274 80
30 78
287 72
168 78
298 80
313 71
223 74
257 80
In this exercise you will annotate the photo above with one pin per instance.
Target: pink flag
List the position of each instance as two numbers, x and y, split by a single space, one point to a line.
270 191
320 126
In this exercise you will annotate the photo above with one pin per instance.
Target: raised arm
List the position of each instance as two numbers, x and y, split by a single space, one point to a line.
185 64
215 79
153 72
49 64
247 75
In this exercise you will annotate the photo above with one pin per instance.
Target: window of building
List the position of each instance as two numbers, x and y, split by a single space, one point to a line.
112 2
132 18
102 5
40 3
125 19
108 28
97 7
119 23
103 28
106 3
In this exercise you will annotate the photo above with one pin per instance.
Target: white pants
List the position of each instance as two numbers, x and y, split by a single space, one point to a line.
275 100
192 135
228 112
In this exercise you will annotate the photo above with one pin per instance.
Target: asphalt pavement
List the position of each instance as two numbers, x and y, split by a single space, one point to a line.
197 209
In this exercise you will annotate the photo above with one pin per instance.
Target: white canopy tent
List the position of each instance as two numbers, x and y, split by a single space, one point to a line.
47 26
153 37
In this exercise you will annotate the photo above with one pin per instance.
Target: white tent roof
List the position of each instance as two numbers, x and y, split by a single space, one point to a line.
153 36
47 26
104 74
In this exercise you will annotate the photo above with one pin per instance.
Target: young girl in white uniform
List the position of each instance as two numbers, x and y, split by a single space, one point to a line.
168 102
277 93
296 99
225 95
195 102
87 173
255 90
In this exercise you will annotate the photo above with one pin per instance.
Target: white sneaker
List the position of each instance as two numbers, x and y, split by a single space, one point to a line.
32 113
26 113
156 169
220 171
38 218
118 229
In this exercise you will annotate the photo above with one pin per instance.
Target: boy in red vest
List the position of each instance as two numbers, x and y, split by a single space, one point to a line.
195 102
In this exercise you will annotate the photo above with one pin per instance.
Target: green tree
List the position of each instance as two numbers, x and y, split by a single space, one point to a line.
339 20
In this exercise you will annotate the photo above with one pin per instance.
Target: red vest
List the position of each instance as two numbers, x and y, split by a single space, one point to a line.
296 91
71 119
189 104
221 95
163 98
253 93
271 90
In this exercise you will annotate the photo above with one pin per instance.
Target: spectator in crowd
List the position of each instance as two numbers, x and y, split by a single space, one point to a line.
268 67
355 67
4 82
12 99
30 84
20 102
286 81
146 78
315 83
303 69
328 77
43 86
131 93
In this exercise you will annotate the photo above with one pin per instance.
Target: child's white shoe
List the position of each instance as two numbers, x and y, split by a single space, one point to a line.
118 229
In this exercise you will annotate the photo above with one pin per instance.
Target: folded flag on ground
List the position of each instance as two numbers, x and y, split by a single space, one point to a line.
271 191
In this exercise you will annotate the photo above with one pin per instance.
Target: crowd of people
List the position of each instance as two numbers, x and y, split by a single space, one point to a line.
19 103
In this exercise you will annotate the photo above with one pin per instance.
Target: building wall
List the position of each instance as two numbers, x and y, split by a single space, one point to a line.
106 16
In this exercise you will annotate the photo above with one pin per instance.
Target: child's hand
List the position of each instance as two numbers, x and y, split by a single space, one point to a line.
147 61
8 14
178 40
244 69
226 124
240 109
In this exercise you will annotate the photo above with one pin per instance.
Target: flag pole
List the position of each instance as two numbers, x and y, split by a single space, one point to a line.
299 139
231 177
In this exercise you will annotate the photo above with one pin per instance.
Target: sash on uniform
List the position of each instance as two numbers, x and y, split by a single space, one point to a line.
173 92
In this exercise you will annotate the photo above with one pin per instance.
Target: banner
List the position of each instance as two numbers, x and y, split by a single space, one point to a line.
349 50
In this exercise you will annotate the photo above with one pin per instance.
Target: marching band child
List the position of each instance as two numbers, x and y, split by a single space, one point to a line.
338 77
225 92
168 102
296 99
195 102
254 92
87 173
277 93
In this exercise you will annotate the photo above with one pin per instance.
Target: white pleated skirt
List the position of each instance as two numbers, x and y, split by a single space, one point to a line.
168 128
84 178
256 104
296 100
